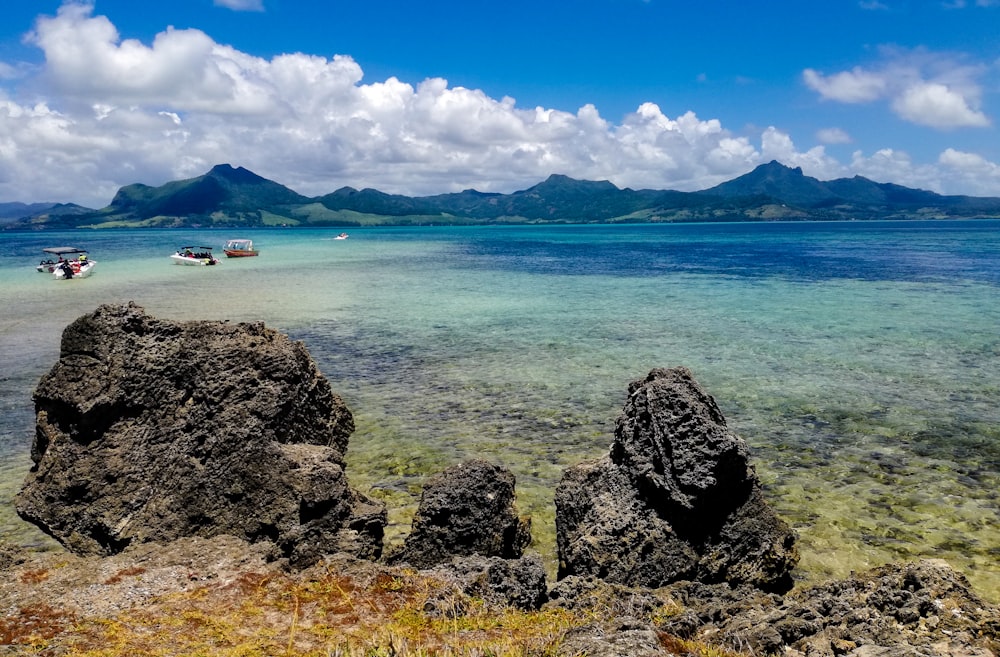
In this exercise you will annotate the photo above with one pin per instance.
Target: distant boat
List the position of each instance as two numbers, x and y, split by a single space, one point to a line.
194 255
239 249
342 236
62 253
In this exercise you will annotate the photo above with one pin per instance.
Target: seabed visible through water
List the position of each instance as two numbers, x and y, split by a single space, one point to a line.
861 362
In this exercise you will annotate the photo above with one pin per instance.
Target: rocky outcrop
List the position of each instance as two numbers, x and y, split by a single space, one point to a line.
152 430
921 608
467 531
466 510
676 498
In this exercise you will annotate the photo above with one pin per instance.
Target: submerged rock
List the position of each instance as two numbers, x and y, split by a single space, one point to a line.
466 510
152 430
676 498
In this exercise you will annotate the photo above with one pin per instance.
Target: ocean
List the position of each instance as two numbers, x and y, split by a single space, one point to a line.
859 360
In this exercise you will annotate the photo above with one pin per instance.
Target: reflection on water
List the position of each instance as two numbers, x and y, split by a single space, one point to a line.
860 361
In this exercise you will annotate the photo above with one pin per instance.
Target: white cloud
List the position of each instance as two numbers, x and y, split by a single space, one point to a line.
114 111
833 136
931 89
937 106
978 176
855 86
241 5
955 170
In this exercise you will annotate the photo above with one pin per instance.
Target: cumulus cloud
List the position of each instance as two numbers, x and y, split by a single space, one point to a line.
931 89
978 175
108 111
937 106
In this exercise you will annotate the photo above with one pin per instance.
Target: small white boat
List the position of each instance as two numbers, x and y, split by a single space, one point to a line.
194 255
342 236
62 253
82 267
239 249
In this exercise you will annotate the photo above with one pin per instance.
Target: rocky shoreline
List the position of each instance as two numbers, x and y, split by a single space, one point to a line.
176 459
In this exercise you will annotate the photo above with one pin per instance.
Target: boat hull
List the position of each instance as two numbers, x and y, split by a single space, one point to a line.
79 270
231 253
180 259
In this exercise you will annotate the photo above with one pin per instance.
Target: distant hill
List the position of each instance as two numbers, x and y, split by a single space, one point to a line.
236 197
41 213
790 186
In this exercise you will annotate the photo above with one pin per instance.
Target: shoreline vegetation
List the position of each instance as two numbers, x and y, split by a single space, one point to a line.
228 197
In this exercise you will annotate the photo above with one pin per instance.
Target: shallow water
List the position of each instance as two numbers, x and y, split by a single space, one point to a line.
859 360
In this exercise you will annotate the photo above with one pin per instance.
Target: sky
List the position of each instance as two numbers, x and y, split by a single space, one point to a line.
432 97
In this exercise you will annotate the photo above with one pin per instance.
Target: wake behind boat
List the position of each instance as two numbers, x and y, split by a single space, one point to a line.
194 255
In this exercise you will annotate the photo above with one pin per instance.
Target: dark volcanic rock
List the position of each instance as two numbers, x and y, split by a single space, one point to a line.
467 509
922 608
151 430
518 583
676 498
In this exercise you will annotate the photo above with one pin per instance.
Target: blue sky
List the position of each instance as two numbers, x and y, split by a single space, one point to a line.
424 98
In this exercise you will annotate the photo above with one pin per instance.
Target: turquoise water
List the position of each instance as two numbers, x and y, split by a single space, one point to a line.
861 361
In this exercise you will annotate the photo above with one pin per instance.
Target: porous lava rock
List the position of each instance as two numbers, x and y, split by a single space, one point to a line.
469 509
150 430
676 498
918 608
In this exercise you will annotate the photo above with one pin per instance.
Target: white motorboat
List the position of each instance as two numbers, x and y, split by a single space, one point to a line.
81 267
194 255
62 254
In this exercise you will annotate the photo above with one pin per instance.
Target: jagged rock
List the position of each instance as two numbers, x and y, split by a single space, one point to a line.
467 509
518 583
152 430
920 608
675 499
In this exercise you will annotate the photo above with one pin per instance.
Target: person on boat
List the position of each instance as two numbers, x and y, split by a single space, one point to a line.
83 258
67 269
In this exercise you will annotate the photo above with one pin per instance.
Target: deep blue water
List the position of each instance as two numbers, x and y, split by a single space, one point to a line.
861 360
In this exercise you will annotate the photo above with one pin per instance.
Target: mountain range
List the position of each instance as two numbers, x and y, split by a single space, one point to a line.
236 197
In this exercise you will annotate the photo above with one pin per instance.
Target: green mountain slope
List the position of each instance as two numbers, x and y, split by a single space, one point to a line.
227 196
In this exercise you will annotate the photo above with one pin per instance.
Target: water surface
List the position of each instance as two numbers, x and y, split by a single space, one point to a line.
861 361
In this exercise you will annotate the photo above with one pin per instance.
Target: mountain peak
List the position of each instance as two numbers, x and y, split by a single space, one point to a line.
559 182
238 175
774 167
782 183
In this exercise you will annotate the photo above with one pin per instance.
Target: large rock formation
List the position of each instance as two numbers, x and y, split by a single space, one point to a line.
466 510
676 498
152 430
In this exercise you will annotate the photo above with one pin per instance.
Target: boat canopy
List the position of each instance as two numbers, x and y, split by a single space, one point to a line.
63 250
203 248
239 244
